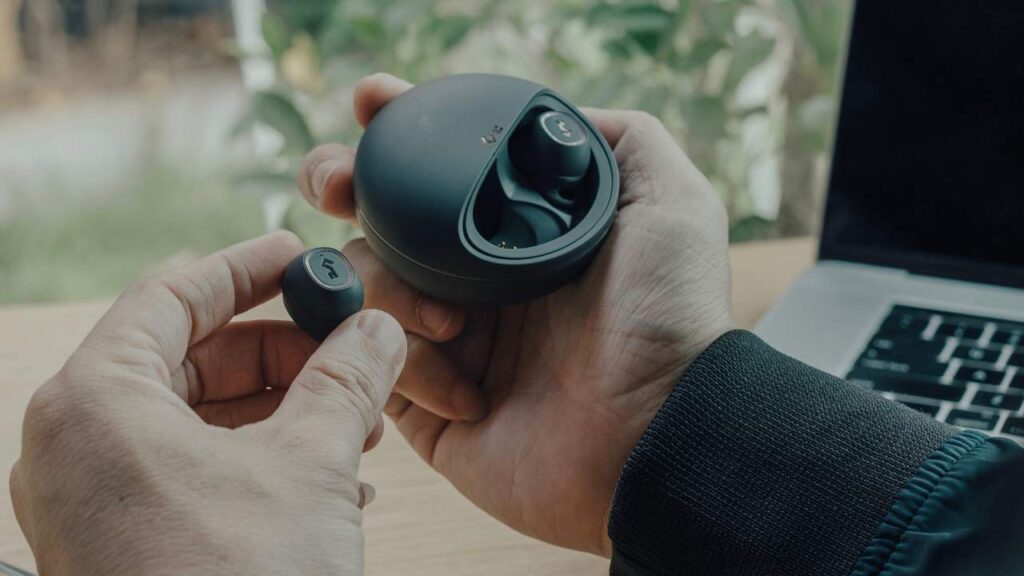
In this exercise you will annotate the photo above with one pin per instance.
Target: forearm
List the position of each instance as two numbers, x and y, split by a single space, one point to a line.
758 464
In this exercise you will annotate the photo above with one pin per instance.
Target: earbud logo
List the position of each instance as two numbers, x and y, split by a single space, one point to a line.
563 128
492 136
329 266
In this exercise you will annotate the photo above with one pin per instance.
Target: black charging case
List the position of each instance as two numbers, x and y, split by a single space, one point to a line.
484 189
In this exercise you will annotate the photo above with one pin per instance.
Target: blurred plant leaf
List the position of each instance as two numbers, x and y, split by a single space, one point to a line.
705 117
820 25
751 228
277 111
300 64
275 34
720 16
639 25
451 31
701 53
243 125
749 51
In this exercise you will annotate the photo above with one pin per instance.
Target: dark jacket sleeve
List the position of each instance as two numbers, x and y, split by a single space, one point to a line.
758 464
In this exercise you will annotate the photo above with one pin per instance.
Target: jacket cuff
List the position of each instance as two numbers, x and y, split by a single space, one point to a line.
959 514
759 464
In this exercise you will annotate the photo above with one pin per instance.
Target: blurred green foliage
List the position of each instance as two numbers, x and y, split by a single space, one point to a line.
99 247
745 86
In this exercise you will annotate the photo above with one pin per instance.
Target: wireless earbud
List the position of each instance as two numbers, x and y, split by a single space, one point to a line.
321 289
484 189
554 153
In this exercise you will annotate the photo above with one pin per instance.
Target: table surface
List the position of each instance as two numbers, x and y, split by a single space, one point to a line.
418 524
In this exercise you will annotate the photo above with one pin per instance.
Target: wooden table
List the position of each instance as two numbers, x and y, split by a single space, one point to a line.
418 524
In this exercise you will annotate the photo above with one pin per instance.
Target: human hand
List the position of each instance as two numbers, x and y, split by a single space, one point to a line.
572 379
121 471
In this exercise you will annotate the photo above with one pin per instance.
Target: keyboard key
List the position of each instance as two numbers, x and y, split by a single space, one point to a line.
1017 382
926 367
981 355
960 329
1013 426
903 347
1013 337
979 375
973 419
886 382
1016 359
929 409
997 400
905 321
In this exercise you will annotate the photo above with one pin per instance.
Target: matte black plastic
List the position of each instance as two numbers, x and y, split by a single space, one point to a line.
321 289
452 208
556 151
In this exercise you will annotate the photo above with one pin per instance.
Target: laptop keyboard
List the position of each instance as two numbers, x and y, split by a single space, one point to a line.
965 370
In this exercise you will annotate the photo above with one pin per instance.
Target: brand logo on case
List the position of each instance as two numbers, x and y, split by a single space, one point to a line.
492 136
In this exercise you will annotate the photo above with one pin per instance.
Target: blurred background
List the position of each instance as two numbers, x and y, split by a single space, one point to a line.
139 134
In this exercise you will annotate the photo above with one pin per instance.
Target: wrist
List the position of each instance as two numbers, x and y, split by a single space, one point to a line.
657 392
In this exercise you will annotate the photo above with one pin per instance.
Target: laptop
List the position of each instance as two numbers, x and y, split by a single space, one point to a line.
918 292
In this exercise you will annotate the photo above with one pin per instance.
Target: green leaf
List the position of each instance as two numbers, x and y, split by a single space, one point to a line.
750 51
705 117
370 32
720 17
276 34
751 228
453 30
277 111
335 37
242 126
701 53
821 26
644 25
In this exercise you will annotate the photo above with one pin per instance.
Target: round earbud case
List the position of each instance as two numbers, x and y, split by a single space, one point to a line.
484 189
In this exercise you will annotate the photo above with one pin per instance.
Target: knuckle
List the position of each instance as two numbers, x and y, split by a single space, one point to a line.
19 497
48 417
348 382
141 288
71 407
49 401
291 239
14 481
646 122
356 248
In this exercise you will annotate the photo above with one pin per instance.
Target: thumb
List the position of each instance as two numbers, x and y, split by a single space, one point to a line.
341 390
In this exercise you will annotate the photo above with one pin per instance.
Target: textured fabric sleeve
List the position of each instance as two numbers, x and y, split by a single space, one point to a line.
759 464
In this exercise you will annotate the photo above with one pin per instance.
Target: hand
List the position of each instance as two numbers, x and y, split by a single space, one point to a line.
572 379
119 473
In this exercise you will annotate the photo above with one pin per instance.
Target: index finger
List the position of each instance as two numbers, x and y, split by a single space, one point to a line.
325 178
167 314
613 123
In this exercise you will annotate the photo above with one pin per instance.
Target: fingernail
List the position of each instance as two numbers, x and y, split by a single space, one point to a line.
383 329
434 315
366 494
321 174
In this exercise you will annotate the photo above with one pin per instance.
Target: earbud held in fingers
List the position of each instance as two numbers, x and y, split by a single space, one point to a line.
484 189
321 289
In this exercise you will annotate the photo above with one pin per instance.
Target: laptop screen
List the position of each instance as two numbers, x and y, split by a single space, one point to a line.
928 168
